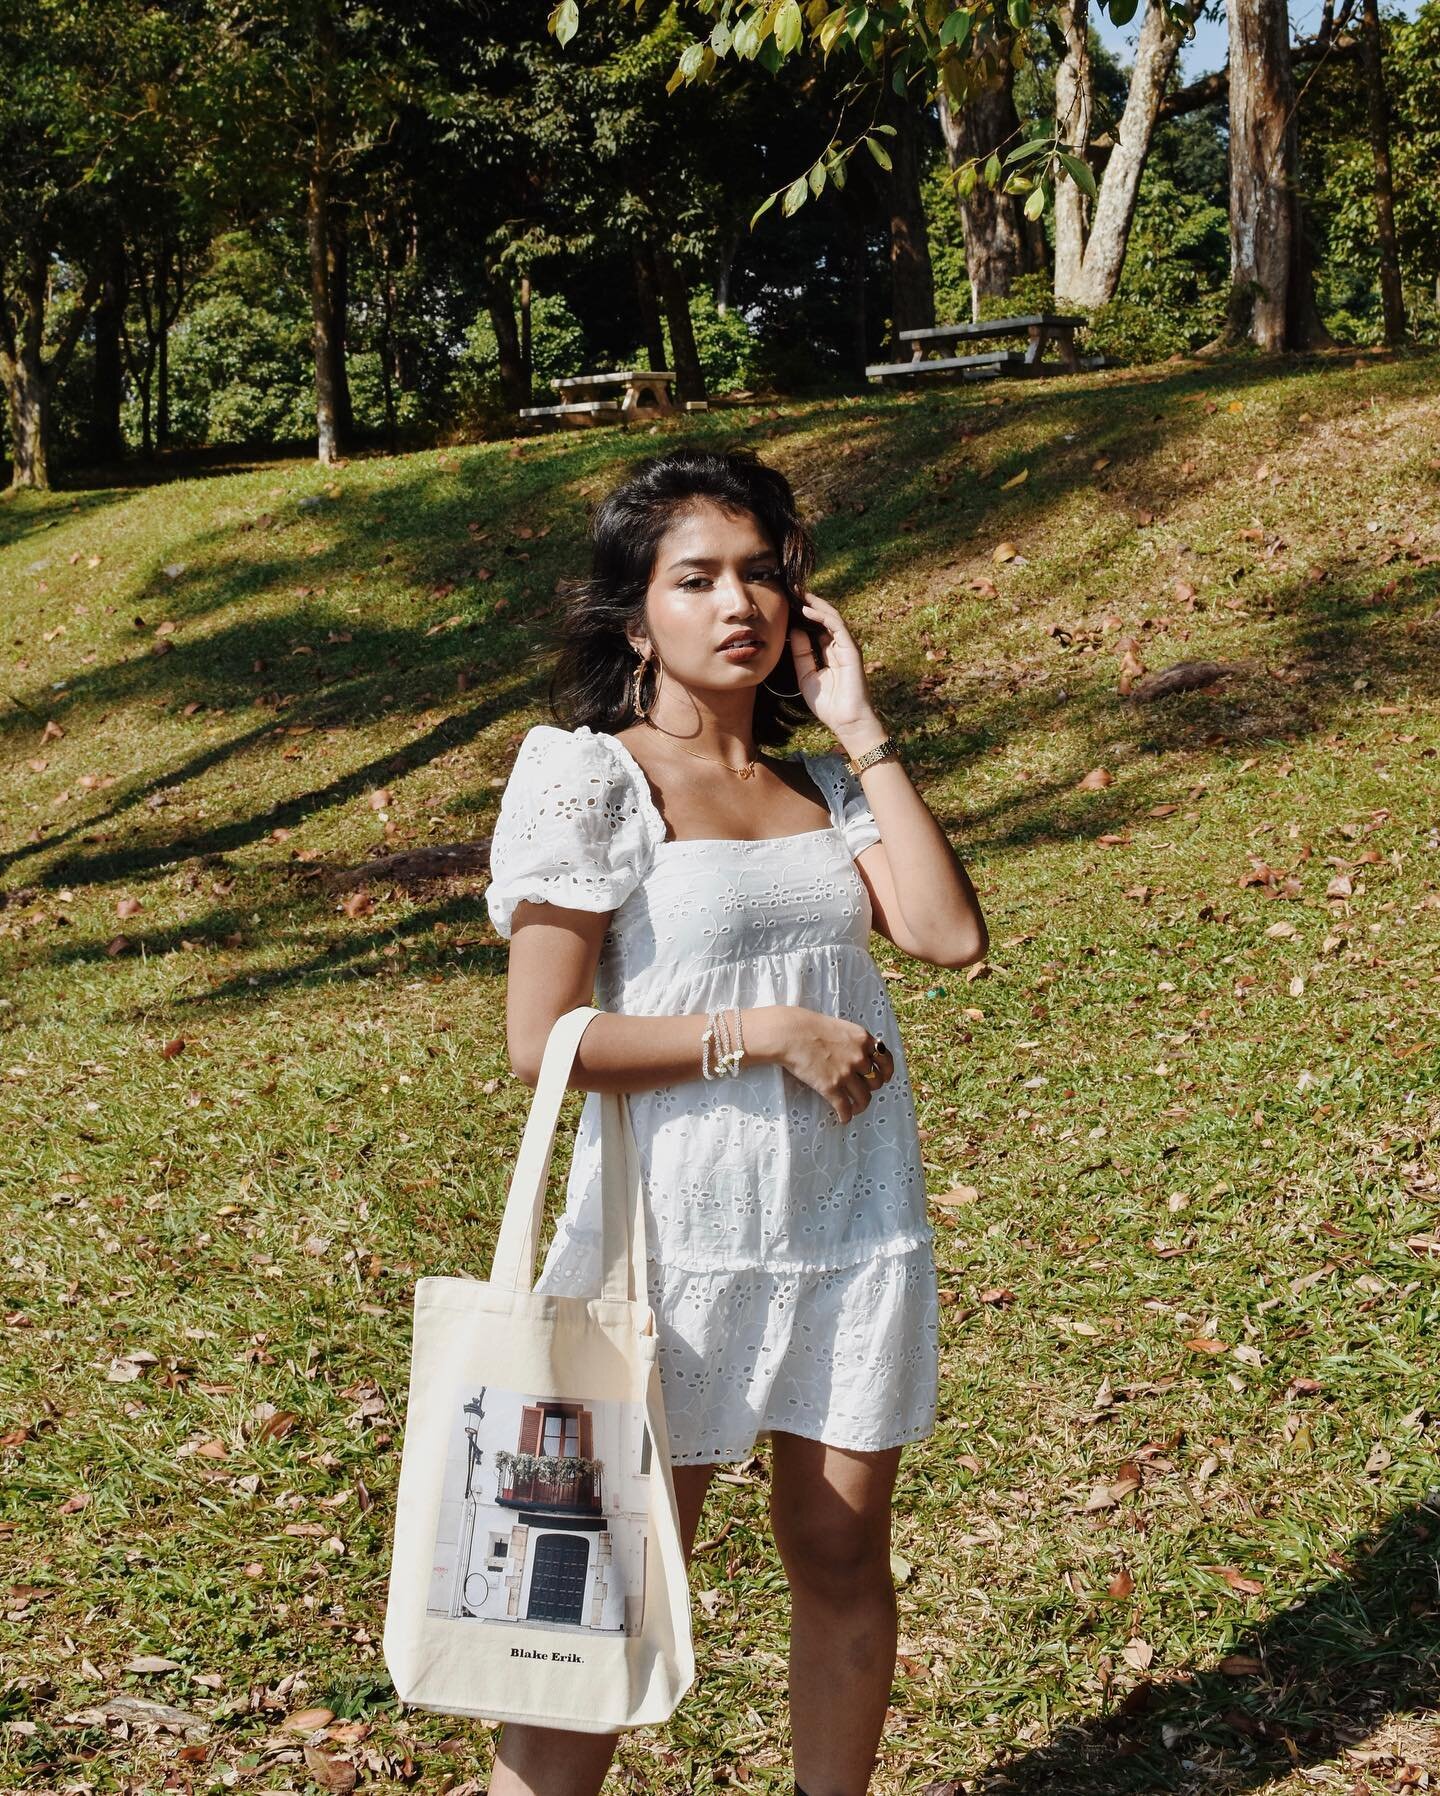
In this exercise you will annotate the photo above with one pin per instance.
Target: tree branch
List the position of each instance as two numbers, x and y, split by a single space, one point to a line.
1210 90
75 323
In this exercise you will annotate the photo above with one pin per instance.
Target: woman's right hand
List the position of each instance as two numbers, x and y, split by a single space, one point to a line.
830 1054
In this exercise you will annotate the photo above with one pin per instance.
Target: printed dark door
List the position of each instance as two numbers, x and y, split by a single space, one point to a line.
557 1584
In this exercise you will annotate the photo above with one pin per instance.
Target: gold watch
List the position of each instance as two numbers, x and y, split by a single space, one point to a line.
882 751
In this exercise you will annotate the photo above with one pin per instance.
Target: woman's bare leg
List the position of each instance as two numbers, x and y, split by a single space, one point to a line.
830 1509
552 1761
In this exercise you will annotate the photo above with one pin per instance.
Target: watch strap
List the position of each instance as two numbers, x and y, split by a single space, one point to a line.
882 751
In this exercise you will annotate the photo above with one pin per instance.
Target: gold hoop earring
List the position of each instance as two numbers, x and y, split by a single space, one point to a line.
635 679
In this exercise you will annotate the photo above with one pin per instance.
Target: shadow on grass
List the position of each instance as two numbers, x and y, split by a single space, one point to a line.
345 672
25 515
1292 1691
423 939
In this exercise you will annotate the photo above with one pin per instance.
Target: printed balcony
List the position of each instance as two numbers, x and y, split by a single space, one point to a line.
563 1483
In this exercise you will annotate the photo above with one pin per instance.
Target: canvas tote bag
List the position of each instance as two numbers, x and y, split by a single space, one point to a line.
537 1573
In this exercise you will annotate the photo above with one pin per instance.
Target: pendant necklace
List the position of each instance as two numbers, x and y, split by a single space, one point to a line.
746 772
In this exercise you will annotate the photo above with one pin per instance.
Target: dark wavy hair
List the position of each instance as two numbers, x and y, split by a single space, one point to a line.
591 683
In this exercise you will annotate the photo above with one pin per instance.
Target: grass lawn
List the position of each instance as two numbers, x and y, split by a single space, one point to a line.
1179 1525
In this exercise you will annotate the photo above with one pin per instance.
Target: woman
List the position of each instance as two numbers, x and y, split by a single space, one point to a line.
716 905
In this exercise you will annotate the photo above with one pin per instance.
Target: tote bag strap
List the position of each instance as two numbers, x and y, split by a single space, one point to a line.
513 1267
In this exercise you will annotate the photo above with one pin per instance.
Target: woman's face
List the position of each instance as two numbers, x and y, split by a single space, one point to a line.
716 574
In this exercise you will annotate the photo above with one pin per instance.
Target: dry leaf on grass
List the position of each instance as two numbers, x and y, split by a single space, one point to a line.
330 1774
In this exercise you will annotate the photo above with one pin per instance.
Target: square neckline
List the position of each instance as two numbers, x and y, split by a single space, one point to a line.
667 841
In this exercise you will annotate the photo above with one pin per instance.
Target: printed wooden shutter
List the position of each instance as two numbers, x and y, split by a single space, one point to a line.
531 1421
587 1435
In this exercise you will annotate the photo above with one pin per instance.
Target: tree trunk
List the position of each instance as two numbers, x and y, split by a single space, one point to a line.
675 296
1074 105
1272 297
322 318
339 286
29 406
381 250
28 373
318 233
514 374
998 245
729 249
911 276
162 346
652 327
857 259
1392 296
107 393
1114 209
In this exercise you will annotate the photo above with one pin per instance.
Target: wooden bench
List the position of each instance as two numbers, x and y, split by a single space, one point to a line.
593 399
1039 328
970 367
583 411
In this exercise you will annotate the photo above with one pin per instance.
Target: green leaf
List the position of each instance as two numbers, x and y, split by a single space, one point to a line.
720 38
992 170
817 179
830 28
956 28
1035 205
789 27
565 21
1019 13
889 130
879 152
762 208
1033 146
966 179
795 195
1122 11
1079 172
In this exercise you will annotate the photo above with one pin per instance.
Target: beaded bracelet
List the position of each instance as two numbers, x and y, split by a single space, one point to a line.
728 1055
706 1040
734 1049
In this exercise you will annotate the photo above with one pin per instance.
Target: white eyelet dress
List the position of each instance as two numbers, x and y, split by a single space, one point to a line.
791 1270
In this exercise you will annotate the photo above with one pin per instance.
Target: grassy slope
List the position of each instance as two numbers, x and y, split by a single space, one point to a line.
1181 1126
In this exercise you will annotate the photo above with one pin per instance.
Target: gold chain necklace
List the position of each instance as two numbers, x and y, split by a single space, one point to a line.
747 772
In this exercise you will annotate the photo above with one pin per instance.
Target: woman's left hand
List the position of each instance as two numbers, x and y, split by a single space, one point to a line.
837 692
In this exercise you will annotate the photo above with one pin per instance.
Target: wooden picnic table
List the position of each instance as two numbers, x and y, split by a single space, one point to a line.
1038 328
615 397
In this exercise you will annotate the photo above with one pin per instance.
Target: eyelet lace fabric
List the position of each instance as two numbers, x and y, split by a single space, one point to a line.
791 1264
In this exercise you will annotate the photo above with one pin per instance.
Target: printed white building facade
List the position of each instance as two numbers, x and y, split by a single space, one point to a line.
544 1513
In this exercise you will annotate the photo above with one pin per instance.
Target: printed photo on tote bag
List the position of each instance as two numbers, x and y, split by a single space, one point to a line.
537 1572
545 1513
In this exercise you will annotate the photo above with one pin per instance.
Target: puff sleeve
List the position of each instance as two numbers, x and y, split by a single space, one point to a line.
570 830
856 819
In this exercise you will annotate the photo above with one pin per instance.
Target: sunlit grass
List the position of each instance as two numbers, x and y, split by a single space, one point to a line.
1191 1312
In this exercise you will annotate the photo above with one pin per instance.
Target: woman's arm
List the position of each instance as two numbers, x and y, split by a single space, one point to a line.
920 893
554 952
